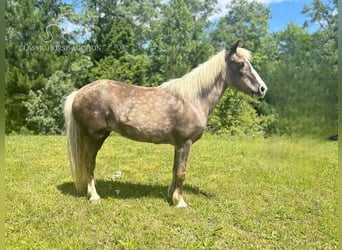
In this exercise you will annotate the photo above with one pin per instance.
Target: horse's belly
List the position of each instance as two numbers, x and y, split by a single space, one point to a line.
144 127
145 133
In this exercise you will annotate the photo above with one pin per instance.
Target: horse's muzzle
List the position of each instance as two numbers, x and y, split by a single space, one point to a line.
260 93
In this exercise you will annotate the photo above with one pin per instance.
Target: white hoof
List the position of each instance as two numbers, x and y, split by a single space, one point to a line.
94 200
181 204
178 200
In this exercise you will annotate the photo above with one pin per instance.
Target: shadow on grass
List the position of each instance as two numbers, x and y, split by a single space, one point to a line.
128 190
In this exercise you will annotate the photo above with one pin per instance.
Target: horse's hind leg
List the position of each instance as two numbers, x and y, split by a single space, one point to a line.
93 146
179 168
91 190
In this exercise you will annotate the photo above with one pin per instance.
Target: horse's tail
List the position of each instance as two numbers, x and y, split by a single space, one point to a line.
76 146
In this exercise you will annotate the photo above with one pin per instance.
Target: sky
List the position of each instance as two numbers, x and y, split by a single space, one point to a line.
283 12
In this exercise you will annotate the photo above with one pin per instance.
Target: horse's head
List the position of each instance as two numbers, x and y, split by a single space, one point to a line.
241 73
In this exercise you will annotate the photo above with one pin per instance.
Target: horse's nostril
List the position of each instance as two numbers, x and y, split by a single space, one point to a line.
262 90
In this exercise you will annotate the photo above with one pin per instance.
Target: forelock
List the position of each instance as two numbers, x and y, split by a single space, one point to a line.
244 54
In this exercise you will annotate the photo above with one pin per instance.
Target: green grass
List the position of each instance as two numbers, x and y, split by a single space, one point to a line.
243 193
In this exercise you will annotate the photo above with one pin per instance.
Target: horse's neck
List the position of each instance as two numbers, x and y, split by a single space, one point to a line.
212 97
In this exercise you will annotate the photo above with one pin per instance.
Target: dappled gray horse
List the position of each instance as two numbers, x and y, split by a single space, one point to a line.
175 112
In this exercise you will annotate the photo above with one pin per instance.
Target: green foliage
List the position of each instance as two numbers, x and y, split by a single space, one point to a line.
148 42
303 83
29 61
235 115
45 107
128 68
80 70
246 21
180 42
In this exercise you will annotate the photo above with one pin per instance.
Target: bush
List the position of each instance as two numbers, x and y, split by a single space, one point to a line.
238 114
45 106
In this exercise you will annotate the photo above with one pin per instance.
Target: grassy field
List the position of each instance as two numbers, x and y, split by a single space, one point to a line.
243 193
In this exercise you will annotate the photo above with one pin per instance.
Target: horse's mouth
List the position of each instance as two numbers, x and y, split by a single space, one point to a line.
257 94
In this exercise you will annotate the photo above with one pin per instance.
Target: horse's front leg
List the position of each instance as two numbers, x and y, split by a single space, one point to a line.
179 167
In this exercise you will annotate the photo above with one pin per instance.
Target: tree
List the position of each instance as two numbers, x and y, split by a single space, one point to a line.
180 42
45 106
304 75
118 32
29 61
304 84
246 21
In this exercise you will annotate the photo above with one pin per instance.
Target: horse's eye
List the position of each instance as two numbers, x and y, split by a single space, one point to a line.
241 65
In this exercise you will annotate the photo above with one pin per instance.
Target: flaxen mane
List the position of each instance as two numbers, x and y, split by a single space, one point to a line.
201 78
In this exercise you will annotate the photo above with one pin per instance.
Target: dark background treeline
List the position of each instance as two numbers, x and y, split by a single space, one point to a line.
54 47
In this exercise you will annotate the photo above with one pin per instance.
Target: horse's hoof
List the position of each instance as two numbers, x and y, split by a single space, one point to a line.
95 201
181 204
177 199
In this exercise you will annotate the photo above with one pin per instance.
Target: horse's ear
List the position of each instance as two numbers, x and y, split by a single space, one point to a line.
232 50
